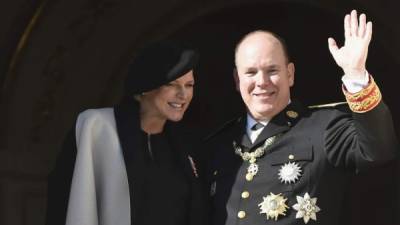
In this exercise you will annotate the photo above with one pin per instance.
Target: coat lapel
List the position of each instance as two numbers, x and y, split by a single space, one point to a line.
281 122
128 129
240 135
277 125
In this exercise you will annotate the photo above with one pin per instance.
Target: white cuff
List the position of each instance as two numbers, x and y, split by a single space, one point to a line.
355 85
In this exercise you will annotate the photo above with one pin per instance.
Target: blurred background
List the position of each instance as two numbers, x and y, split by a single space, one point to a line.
60 57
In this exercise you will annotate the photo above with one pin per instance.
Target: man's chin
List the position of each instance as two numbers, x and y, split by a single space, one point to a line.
263 113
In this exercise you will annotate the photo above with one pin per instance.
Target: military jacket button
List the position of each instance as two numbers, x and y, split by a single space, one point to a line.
249 177
245 194
292 114
241 214
291 157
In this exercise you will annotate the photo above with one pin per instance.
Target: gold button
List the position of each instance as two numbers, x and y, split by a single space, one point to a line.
215 172
245 194
292 114
249 177
241 214
291 156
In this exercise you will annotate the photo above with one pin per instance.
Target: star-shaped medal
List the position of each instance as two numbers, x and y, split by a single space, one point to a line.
290 172
306 208
273 206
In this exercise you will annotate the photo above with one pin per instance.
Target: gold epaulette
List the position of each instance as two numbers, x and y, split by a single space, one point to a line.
364 100
330 105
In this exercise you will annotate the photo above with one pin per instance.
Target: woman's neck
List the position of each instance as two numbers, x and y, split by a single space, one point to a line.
151 125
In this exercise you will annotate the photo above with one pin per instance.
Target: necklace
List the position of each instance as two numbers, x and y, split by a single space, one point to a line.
149 146
251 157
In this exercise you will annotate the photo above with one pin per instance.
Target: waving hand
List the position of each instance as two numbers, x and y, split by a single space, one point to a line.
351 57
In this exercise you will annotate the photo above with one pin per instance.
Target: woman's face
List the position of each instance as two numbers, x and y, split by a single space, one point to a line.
170 101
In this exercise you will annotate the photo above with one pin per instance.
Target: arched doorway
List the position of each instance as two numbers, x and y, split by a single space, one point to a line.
76 46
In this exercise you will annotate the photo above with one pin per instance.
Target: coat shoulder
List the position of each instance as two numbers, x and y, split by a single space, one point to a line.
95 120
96 113
221 129
96 116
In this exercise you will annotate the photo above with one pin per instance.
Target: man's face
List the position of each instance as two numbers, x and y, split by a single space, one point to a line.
264 76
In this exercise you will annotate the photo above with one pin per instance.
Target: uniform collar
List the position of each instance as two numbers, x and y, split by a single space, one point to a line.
250 121
281 122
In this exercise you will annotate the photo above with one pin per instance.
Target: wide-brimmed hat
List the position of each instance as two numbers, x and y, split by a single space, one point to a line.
158 64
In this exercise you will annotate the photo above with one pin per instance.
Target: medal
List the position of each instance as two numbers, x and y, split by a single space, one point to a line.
306 208
273 206
251 157
290 172
252 169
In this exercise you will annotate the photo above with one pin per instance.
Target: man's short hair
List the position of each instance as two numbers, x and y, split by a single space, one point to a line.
279 38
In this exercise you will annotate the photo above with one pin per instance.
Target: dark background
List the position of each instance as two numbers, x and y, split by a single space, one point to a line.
59 57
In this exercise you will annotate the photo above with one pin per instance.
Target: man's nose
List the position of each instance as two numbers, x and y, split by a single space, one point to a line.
262 79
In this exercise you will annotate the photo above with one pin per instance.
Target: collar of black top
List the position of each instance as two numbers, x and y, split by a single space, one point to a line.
158 64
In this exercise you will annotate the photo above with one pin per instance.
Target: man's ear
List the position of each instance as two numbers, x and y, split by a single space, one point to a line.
291 70
236 78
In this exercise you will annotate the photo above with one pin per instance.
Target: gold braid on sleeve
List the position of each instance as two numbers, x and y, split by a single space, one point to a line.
364 100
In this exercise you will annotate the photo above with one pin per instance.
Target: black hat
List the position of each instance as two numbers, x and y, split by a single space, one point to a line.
158 64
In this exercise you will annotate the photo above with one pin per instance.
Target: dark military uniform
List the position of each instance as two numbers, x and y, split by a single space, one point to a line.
329 144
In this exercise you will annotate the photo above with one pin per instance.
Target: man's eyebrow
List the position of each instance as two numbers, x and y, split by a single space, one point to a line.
250 68
273 66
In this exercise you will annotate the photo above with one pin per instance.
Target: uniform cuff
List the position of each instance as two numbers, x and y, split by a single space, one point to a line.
364 100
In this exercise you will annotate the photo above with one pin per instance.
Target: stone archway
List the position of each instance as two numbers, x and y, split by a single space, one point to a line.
74 57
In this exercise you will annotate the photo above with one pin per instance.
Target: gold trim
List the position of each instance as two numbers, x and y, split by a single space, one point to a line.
359 96
364 100
22 42
329 105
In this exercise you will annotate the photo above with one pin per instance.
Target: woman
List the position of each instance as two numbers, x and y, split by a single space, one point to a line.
129 165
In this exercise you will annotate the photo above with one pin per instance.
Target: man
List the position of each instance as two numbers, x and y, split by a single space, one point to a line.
283 163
